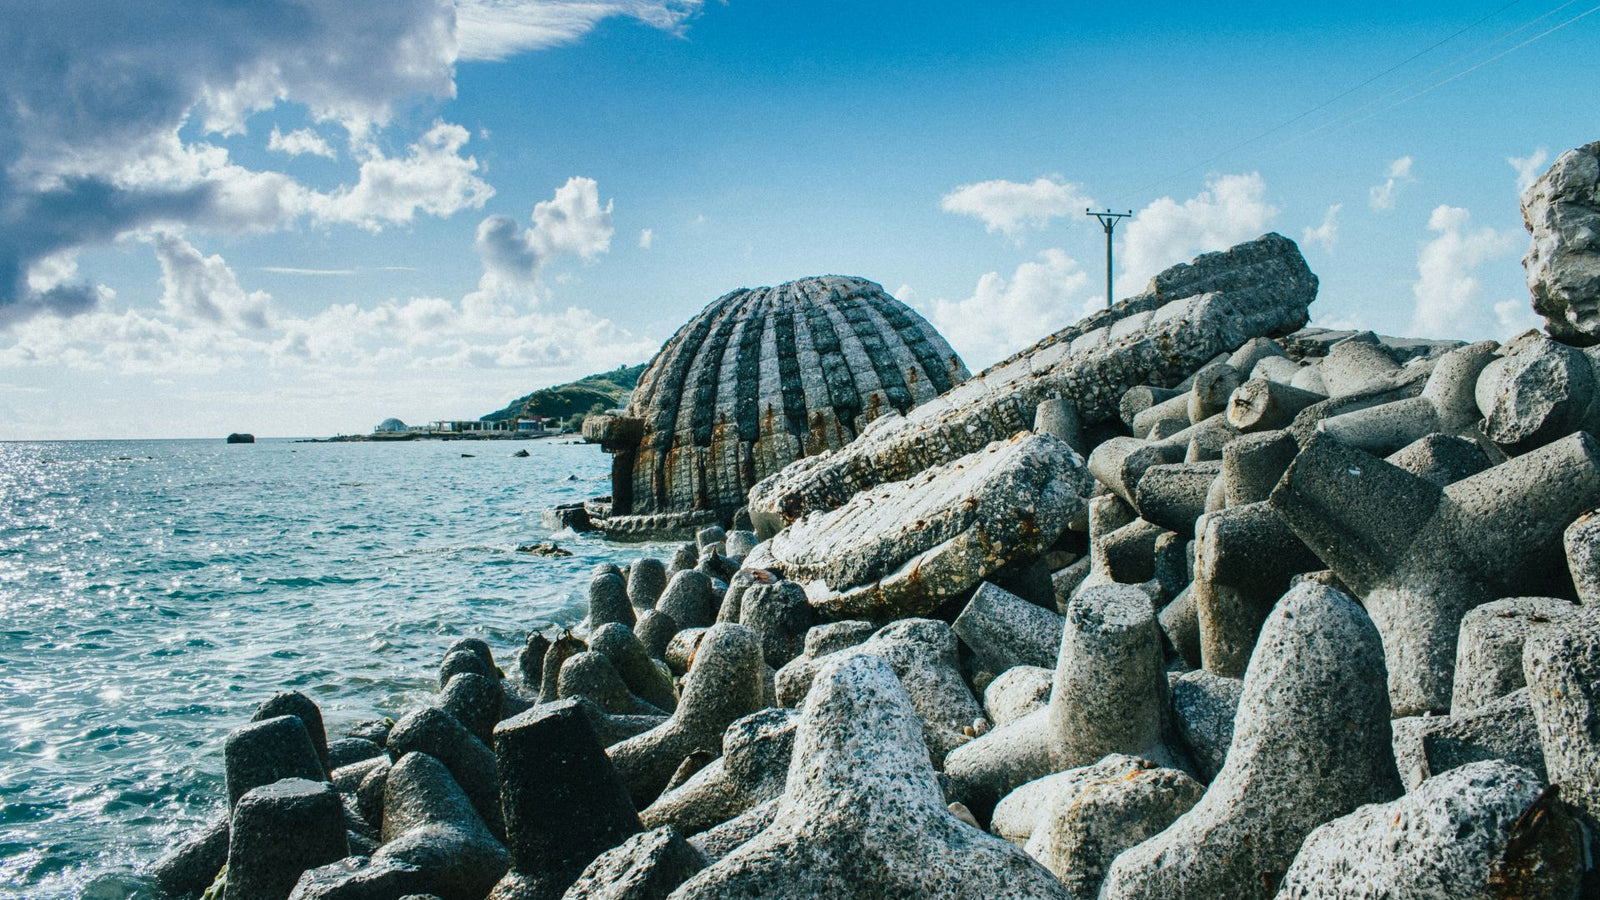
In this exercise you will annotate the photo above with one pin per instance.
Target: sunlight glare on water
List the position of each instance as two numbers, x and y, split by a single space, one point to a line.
153 592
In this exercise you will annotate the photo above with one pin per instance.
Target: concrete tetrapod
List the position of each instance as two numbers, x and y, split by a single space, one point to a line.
925 655
265 751
437 733
1421 556
564 804
433 844
1311 743
1489 650
1109 696
647 866
755 759
1081 833
1481 832
277 832
1562 665
843 829
724 684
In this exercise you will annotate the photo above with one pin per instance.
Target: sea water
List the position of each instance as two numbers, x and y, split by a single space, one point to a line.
153 592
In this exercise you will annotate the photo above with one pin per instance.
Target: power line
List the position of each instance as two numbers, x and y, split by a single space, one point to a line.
1348 116
1468 71
1337 97
1344 119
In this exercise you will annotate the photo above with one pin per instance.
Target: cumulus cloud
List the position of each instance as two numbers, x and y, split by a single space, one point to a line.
1529 167
571 223
497 29
647 238
1326 234
204 289
1232 208
433 177
1011 207
1381 196
1449 295
300 141
111 161
1004 315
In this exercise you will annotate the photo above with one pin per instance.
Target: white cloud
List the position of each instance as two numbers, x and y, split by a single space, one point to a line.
1447 289
203 288
300 141
571 223
496 29
1529 168
433 177
647 238
1005 315
1232 208
1011 207
92 105
1381 196
1326 234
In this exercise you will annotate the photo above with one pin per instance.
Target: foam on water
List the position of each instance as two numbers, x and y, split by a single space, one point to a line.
153 592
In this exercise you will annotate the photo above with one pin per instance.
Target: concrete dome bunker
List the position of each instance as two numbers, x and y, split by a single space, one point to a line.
758 379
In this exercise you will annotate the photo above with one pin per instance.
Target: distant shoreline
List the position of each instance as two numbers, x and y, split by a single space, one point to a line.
437 436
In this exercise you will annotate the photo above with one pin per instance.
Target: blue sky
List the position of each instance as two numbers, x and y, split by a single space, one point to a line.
301 218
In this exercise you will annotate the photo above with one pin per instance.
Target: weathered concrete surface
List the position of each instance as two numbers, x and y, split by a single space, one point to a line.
1311 743
1562 665
760 378
904 548
843 829
1481 832
923 654
1562 212
1421 556
1188 316
1078 836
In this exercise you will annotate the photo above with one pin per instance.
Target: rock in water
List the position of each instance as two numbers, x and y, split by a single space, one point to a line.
1562 212
1311 743
931 537
1480 832
1188 315
843 829
762 377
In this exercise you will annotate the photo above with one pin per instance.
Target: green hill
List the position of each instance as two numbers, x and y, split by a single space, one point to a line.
562 401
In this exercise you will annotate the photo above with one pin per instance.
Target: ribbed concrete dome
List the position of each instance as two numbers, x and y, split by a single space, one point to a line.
762 377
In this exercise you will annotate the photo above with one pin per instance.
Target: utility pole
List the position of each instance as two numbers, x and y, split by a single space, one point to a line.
1108 221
